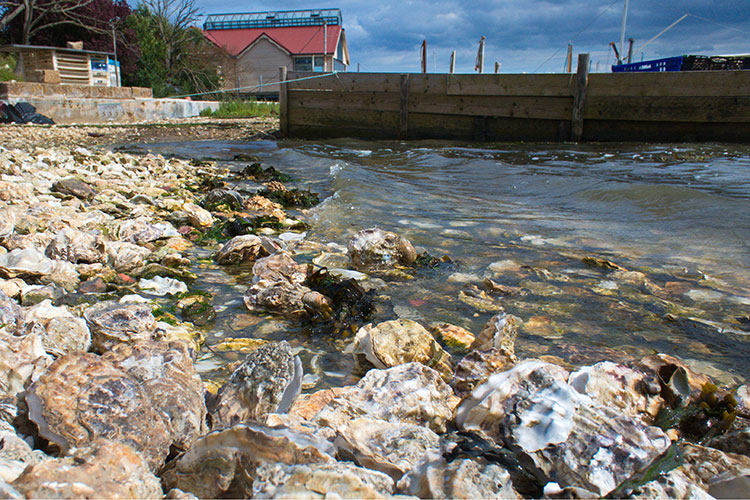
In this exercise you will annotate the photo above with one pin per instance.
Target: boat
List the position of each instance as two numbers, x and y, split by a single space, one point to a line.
687 63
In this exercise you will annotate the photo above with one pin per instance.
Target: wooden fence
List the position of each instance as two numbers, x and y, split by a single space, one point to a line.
679 106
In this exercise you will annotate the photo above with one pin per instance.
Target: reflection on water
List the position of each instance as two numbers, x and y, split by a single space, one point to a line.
676 218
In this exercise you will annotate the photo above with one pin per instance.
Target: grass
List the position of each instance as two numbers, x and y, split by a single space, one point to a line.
7 66
243 109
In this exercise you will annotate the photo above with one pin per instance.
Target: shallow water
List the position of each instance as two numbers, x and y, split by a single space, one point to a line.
678 213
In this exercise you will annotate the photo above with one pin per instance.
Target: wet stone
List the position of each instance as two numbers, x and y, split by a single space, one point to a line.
72 186
373 247
244 248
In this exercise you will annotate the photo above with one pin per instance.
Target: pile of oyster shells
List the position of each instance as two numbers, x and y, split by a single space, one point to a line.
99 398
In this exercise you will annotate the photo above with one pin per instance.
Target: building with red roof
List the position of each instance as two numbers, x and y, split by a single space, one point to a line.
254 45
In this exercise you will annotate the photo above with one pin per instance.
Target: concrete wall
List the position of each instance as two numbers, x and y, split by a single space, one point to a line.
76 110
10 90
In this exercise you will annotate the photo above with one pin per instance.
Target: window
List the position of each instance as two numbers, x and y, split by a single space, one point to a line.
318 64
303 64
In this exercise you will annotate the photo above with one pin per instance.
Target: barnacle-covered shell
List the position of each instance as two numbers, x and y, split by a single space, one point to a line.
392 448
165 371
124 256
396 342
283 297
243 248
568 435
141 230
112 323
76 247
377 247
409 393
82 397
222 463
327 480
100 469
279 267
267 381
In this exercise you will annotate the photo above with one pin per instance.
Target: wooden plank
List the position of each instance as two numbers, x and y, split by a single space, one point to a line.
556 85
283 103
403 126
369 82
558 108
670 109
579 99
386 120
682 83
616 130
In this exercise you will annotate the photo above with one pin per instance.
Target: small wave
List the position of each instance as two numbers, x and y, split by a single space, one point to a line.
336 168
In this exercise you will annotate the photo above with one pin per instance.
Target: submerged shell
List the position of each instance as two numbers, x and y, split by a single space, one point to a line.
279 267
335 480
568 435
396 342
100 469
244 248
76 247
374 246
222 463
499 333
165 371
82 397
283 297
112 323
408 393
267 381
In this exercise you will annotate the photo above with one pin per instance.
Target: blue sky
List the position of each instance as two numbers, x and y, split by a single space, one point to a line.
523 35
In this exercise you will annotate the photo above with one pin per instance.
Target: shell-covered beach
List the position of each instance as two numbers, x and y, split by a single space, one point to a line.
204 312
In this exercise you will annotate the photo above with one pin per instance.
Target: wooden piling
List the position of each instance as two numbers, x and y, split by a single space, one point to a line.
283 103
403 126
452 66
579 98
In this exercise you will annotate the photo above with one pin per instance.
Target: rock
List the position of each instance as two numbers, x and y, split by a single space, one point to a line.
334 480
434 477
499 333
25 263
101 469
93 286
76 247
267 381
569 436
244 248
112 323
124 256
166 373
397 342
476 367
408 393
735 441
72 186
391 448
161 286
222 199
617 386
453 336
374 247
63 332
223 463
82 397
197 309
198 217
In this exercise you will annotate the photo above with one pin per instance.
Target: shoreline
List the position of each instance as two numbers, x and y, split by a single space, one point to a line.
93 231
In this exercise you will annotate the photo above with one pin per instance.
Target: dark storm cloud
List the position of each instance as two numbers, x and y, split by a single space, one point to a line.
523 35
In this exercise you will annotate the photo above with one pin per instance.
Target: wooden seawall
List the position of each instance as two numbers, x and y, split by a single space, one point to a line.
644 107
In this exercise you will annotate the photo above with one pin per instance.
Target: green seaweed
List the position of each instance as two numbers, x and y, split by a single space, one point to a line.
425 260
255 172
292 198
237 226
352 305
704 418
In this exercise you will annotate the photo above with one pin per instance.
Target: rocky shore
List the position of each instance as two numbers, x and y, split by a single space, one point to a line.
100 329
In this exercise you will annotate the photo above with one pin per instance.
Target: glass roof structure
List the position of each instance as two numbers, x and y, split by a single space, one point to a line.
273 19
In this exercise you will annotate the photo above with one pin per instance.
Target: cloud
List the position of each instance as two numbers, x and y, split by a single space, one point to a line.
524 35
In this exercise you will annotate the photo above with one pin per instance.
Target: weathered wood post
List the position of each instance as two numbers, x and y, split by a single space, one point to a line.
403 125
579 98
283 105
452 65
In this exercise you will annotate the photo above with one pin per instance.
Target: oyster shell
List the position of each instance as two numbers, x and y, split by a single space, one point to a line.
267 381
63 332
570 437
283 297
82 397
140 230
199 217
408 393
161 286
100 469
336 480
391 448
124 256
112 323
76 247
373 247
25 263
396 342
279 267
12 317
7 223
234 454
244 248
71 186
